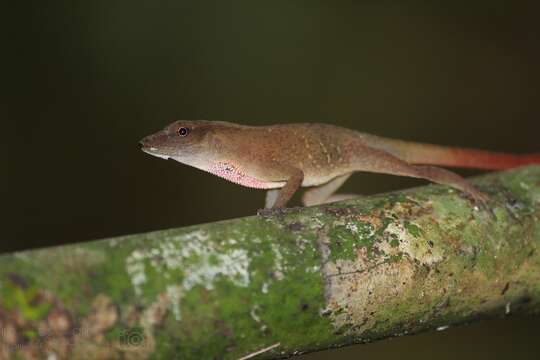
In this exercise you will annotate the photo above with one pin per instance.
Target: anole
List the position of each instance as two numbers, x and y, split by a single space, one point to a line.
282 158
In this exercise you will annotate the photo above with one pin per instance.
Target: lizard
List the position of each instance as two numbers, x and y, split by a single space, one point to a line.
282 158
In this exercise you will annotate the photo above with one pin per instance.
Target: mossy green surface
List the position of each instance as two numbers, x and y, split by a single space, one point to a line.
307 279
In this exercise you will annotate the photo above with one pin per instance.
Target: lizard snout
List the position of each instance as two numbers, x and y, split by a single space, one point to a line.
142 143
154 145
148 141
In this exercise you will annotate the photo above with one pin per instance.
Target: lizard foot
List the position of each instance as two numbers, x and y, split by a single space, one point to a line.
277 211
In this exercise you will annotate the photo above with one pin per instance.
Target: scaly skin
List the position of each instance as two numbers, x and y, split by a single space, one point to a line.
281 158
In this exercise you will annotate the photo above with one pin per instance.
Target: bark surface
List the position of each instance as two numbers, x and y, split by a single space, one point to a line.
291 282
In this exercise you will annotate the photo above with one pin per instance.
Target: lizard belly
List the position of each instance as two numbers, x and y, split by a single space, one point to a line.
236 175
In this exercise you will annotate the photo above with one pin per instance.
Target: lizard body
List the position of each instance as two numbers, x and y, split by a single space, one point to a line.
282 158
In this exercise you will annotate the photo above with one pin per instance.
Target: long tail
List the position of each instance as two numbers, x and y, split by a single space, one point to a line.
419 153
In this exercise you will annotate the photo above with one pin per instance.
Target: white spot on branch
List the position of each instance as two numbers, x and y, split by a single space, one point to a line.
174 293
278 262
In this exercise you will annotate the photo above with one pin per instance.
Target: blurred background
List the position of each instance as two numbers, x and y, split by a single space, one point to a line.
86 80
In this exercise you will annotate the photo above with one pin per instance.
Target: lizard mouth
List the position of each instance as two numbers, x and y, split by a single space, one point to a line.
153 151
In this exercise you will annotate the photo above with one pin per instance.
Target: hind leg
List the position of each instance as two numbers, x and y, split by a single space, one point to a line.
271 197
445 177
374 160
324 193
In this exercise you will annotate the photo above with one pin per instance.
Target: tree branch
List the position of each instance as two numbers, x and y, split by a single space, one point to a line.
308 279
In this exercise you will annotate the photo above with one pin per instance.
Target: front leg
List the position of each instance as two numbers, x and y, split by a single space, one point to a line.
293 183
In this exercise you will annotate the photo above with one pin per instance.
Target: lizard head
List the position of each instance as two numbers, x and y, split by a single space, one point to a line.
186 141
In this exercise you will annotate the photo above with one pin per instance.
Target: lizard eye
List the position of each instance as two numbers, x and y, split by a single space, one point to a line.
183 131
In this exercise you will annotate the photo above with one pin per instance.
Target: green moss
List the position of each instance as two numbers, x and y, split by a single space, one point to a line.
110 277
523 185
343 244
24 300
213 260
30 335
345 240
451 207
114 334
167 343
536 238
394 258
413 229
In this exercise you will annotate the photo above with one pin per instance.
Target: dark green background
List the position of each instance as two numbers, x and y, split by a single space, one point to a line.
86 80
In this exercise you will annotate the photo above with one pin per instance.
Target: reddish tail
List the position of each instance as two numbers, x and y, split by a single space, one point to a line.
417 153
476 159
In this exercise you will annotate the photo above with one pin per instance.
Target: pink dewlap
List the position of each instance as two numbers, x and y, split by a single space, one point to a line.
230 172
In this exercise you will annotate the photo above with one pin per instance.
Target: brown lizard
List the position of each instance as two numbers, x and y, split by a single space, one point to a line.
282 158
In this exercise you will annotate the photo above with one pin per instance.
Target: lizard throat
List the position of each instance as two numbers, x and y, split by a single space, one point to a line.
232 173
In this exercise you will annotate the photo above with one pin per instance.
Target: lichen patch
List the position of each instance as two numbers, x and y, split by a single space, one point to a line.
278 262
193 259
135 269
399 240
356 296
175 294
